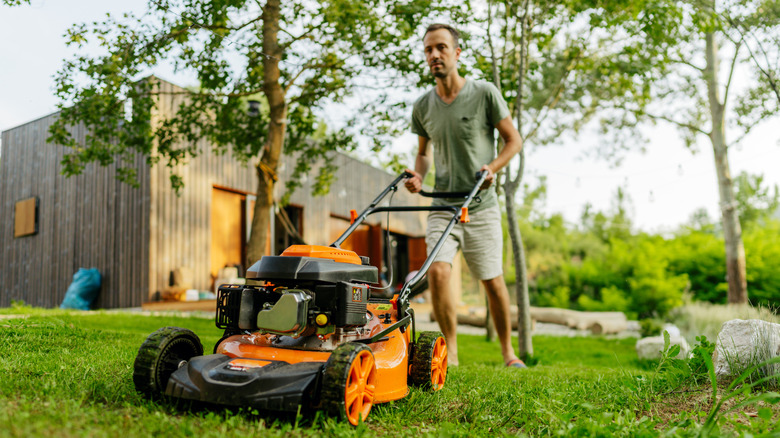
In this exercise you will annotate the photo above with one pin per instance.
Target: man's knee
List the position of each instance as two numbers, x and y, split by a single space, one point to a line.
495 286
439 274
440 270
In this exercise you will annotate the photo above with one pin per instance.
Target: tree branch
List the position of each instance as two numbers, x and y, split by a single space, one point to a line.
683 125
737 46
299 37
768 75
689 64
496 80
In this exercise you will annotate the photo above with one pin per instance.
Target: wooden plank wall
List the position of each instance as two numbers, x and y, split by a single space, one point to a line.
91 220
180 225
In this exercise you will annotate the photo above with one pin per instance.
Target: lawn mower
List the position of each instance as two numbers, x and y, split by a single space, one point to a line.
304 332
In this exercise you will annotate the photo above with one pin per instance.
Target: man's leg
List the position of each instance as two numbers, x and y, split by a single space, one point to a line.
498 300
444 307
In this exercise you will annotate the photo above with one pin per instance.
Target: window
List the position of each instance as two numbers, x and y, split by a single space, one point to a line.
26 217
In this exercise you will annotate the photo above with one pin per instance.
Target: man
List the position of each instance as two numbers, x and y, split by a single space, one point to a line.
456 119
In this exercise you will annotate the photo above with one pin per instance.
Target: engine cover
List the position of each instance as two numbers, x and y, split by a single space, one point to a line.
288 316
310 269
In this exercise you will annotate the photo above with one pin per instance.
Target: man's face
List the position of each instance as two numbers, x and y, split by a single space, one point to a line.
440 52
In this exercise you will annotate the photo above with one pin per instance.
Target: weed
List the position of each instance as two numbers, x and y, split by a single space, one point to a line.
650 327
697 363
739 387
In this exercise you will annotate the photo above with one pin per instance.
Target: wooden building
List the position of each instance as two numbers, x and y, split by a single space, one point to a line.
136 237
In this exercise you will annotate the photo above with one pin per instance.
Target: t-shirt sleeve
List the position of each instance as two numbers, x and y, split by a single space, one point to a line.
497 108
417 126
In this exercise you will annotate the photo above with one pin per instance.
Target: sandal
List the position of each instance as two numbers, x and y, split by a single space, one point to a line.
516 363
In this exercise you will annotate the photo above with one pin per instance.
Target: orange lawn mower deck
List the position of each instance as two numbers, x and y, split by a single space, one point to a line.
305 333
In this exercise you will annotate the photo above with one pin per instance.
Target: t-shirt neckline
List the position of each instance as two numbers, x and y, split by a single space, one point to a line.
441 101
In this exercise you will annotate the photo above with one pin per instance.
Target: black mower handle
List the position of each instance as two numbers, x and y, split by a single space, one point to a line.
481 175
403 298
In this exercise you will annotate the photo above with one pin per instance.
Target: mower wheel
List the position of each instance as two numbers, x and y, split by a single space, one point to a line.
429 361
163 352
349 382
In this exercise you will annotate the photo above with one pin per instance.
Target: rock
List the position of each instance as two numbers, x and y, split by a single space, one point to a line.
651 347
743 343
673 330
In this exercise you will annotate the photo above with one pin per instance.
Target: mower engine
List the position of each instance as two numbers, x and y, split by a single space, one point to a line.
308 290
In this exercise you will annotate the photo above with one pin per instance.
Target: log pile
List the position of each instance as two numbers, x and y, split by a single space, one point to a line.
597 322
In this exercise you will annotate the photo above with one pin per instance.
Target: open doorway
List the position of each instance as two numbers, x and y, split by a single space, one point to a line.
231 219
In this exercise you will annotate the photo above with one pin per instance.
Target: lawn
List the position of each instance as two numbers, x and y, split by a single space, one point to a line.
70 374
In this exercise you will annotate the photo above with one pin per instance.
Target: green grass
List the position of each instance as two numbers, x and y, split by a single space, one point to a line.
69 374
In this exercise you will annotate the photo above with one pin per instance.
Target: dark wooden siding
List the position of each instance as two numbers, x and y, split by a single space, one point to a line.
136 237
90 220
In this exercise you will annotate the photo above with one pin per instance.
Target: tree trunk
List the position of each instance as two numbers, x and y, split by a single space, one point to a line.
524 324
524 341
266 168
732 233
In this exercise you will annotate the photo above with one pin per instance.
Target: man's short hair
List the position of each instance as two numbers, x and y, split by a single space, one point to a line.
436 26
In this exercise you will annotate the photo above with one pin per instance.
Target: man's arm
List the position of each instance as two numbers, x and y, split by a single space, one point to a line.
513 143
422 163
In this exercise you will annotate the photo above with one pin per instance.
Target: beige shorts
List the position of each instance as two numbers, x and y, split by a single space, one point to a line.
481 241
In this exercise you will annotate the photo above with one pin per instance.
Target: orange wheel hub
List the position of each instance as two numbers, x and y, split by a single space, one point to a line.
439 364
360 388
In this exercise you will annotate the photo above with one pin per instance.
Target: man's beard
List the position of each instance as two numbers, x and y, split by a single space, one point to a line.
441 72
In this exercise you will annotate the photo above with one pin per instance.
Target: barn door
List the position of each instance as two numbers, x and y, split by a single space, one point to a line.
228 230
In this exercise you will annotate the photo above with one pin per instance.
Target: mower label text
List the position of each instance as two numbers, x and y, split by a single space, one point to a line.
357 294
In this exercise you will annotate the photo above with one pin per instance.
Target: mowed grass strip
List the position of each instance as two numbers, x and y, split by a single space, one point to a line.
70 374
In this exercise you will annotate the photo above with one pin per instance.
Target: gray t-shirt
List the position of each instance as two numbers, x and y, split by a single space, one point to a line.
462 137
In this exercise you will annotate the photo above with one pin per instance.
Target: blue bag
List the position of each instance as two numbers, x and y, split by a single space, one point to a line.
83 290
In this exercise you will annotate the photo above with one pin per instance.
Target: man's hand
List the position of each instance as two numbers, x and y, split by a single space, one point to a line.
413 184
490 177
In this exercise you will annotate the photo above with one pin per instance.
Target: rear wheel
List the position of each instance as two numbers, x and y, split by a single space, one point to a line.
349 382
163 352
429 361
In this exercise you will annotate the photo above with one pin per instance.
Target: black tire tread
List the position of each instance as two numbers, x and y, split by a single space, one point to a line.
422 358
145 368
336 373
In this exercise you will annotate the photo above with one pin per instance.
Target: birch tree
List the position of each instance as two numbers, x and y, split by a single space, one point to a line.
560 66
701 96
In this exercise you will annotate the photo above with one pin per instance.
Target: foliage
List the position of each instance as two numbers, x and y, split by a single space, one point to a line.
755 202
291 60
323 47
738 389
600 264
650 327
701 351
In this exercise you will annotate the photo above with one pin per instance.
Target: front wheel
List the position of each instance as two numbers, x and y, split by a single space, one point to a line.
429 361
163 352
349 382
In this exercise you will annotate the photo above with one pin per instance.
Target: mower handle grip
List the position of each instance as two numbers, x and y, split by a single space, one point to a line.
479 177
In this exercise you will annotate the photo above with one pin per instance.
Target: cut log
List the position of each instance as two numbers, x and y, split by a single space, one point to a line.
609 326
597 322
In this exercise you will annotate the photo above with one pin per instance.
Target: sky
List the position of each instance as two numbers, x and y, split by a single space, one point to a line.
665 184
